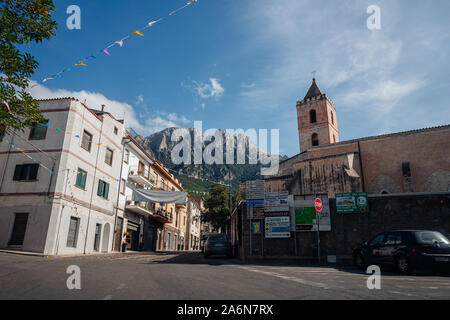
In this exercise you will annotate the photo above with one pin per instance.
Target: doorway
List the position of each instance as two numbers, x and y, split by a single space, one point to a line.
19 229
105 242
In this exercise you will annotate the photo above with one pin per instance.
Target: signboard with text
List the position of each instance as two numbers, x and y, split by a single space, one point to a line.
277 227
355 202
305 214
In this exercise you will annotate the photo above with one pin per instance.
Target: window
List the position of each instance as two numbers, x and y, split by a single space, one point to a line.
122 186
81 179
109 156
86 142
127 156
116 130
314 140
312 116
39 131
72 235
103 189
162 184
377 240
26 172
393 238
332 118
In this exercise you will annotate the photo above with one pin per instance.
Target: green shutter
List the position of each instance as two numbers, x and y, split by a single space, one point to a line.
81 179
33 171
17 172
106 190
100 188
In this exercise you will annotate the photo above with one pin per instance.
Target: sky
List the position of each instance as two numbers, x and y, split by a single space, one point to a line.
245 63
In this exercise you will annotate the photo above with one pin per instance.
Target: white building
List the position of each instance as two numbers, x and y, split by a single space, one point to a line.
132 217
195 207
73 210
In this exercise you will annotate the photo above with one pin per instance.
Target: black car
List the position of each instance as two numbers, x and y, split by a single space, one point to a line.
203 240
217 244
406 250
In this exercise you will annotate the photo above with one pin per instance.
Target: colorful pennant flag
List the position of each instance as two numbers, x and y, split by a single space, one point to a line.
106 51
81 63
7 105
138 32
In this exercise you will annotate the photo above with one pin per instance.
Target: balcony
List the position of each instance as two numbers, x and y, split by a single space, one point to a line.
162 216
140 176
141 208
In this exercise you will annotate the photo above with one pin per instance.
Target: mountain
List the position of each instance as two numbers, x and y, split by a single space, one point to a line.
200 177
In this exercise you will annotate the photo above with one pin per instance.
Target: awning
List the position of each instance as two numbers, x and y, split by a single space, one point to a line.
159 196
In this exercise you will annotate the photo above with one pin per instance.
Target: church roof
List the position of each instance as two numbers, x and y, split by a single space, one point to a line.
313 91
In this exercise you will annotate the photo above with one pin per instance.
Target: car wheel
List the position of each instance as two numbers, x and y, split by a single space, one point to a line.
402 264
359 261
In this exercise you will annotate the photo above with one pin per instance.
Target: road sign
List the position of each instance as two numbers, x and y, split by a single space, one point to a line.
356 202
318 204
277 227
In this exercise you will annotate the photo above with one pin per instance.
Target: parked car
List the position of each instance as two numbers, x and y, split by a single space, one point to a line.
218 244
406 250
203 240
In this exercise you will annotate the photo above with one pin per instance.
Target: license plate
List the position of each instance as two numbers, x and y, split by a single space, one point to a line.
442 259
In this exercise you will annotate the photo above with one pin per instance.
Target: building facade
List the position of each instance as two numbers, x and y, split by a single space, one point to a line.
60 181
404 162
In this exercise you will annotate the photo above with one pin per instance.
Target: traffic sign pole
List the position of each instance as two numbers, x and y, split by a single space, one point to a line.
318 205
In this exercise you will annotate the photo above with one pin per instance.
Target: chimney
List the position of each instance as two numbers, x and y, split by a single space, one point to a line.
103 107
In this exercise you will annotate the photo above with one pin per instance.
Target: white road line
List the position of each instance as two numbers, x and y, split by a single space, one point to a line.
123 285
401 293
294 279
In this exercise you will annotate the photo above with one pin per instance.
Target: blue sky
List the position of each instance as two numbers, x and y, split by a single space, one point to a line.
244 63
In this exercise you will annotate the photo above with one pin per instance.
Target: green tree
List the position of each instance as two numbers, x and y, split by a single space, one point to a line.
217 206
21 23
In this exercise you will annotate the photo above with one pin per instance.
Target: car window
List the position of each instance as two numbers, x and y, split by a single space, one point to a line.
430 237
377 240
393 238
218 237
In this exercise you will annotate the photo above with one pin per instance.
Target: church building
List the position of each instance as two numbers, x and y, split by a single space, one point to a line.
414 161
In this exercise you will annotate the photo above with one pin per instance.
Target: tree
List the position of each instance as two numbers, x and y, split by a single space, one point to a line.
217 206
21 22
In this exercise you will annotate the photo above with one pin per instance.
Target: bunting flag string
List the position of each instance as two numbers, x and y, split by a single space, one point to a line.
26 154
82 63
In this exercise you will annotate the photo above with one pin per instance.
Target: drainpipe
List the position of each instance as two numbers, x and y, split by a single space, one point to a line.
118 196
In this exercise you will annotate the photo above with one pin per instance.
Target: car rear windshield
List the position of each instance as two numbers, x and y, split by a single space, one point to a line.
218 237
430 237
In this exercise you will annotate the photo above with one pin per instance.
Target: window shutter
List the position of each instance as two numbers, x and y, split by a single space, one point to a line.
106 190
83 179
100 188
33 171
17 172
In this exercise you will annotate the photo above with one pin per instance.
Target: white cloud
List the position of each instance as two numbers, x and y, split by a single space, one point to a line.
144 124
209 90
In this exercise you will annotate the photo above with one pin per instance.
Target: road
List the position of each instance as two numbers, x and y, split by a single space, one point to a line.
190 276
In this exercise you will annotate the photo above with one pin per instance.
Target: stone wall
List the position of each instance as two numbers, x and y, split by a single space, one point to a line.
387 212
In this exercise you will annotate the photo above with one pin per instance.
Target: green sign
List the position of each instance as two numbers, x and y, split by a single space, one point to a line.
355 202
305 215
256 227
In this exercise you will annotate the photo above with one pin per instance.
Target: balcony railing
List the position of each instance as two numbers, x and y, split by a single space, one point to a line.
141 175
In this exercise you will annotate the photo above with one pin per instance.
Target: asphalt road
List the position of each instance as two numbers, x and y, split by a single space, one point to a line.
190 276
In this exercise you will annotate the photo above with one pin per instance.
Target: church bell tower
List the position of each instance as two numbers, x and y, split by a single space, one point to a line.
317 122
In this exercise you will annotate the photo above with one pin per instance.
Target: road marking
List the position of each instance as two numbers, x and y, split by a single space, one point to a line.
123 285
294 279
401 293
